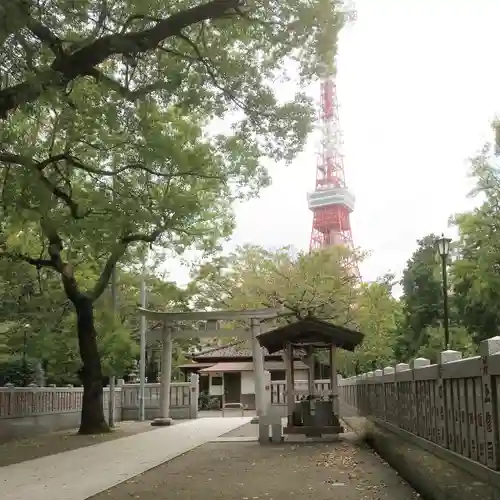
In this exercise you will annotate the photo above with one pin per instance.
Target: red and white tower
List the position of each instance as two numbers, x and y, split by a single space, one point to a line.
330 202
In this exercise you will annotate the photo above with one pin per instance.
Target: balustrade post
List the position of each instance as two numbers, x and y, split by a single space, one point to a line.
119 384
370 387
443 399
335 391
417 401
111 401
379 393
390 403
364 389
340 388
12 410
400 396
360 382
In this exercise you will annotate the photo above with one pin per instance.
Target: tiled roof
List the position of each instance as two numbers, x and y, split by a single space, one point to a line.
239 349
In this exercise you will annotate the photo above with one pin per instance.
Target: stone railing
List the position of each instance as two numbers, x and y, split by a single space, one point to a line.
454 405
26 411
32 410
278 390
183 400
23 402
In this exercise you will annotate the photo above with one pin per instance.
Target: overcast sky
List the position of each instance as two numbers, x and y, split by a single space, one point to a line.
418 83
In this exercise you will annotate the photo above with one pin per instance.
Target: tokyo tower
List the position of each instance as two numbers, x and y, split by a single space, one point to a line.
331 202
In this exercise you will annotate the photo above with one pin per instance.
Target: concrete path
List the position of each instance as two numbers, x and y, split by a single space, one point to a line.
82 473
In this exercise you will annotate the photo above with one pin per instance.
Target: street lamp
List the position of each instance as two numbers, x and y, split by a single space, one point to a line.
443 247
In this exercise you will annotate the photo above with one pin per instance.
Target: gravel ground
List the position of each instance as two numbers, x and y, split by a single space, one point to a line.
341 470
20 450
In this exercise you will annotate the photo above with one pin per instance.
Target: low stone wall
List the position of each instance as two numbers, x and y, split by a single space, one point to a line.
450 409
183 401
28 411
434 477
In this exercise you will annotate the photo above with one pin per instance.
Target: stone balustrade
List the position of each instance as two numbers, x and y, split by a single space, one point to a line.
32 410
454 404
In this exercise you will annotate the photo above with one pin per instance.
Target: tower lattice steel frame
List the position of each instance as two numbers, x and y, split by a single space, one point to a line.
331 202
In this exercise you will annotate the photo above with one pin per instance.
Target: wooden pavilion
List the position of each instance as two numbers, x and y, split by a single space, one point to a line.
312 415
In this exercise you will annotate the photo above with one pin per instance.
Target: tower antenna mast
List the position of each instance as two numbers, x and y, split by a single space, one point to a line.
331 202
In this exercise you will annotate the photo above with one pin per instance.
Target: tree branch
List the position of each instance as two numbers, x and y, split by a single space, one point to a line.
14 159
46 37
69 66
65 270
117 253
100 22
66 198
20 257
14 17
212 72
130 95
37 167
75 162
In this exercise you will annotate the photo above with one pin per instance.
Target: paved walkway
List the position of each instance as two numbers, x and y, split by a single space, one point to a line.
82 473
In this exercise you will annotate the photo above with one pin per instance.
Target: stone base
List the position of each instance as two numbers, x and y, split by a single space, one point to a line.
162 422
277 433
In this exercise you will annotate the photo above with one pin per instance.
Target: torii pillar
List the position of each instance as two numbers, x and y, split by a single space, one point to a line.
166 377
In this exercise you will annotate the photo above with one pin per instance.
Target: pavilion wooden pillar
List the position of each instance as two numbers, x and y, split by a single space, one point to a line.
310 365
290 383
333 381
166 377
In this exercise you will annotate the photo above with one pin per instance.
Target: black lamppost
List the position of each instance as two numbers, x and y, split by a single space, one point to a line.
443 247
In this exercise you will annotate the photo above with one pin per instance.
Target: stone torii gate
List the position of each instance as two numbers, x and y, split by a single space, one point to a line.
170 330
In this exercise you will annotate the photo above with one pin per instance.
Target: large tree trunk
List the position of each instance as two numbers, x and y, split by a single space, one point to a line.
92 421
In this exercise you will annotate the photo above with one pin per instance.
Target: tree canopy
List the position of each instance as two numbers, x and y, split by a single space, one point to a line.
320 283
323 283
377 314
422 297
476 271
223 48
37 321
127 123
473 276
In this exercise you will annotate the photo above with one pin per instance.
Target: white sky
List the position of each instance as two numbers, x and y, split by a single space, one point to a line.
418 83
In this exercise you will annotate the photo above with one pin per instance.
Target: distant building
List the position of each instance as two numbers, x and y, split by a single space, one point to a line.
228 371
